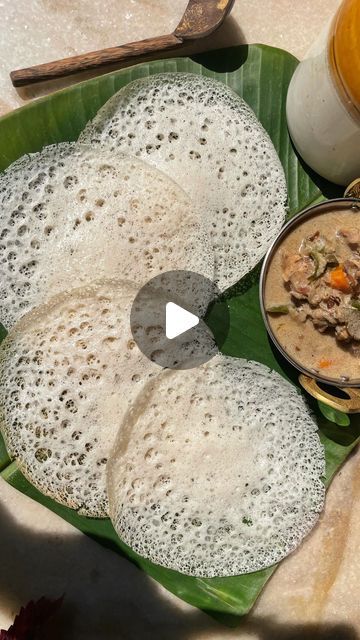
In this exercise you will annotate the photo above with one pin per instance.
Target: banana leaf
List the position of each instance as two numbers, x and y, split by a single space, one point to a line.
261 75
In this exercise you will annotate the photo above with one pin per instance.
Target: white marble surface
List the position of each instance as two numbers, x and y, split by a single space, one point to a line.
314 594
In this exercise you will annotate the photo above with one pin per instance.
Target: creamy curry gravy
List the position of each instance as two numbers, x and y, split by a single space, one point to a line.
321 353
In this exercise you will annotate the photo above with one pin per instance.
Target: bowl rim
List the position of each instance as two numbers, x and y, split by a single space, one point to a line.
304 214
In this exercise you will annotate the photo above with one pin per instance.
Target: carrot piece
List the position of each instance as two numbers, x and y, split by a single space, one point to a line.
339 279
324 363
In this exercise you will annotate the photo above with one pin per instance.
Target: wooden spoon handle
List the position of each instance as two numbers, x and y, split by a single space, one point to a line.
93 60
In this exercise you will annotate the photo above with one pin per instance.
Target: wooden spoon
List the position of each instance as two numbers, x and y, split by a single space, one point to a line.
201 18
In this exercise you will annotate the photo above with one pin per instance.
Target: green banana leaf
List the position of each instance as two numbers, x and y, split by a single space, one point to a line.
261 75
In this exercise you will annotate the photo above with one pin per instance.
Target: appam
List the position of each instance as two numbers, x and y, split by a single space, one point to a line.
68 372
73 214
204 136
217 471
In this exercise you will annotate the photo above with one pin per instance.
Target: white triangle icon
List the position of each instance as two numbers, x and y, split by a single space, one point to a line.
178 320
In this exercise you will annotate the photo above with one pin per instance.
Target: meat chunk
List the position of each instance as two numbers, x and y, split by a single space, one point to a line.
323 318
318 292
352 319
352 268
341 333
296 272
351 236
300 313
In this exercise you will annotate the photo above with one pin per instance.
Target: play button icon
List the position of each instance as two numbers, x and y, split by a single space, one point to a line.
178 320
168 319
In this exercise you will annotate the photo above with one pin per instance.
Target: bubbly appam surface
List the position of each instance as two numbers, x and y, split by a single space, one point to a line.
68 372
73 214
203 135
217 471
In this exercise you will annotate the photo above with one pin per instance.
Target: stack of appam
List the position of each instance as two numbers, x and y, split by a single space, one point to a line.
195 468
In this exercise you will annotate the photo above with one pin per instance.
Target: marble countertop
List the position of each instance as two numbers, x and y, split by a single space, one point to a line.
314 593
36 31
